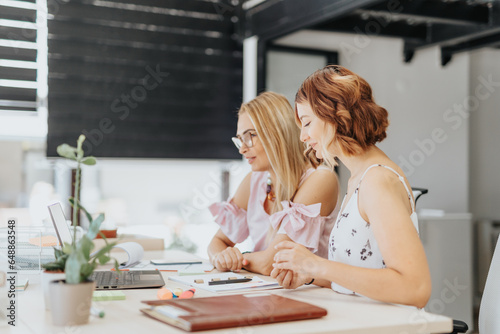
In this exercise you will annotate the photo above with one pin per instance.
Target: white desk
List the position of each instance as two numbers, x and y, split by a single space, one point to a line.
346 314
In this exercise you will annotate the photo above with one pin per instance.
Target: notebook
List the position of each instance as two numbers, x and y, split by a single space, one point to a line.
207 313
106 280
203 282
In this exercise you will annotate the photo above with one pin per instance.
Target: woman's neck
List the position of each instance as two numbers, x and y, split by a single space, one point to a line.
357 164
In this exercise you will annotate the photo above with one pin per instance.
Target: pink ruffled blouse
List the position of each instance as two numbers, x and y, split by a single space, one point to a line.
301 223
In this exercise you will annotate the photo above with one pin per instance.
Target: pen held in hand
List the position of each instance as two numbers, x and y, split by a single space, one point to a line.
230 281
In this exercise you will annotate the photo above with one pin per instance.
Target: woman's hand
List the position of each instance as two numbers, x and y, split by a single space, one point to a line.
288 279
297 258
230 259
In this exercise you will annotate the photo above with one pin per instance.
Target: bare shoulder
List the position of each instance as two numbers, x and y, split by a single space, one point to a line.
243 192
382 188
380 179
321 186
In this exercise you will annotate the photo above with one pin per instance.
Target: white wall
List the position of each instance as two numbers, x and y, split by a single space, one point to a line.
485 134
419 97
160 197
154 189
286 71
11 182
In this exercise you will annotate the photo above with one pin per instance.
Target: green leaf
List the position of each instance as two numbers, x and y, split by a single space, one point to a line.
67 248
52 266
86 270
79 142
87 214
66 151
106 249
73 268
85 246
94 226
79 150
58 253
90 161
104 259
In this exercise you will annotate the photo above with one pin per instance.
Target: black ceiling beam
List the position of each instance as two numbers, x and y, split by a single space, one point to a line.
455 12
275 18
448 36
381 26
445 35
488 41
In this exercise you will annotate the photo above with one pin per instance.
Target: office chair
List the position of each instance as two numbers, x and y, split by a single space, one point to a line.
489 321
458 325
417 192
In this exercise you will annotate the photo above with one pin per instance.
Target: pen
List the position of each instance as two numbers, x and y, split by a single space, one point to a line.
96 312
175 263
230 281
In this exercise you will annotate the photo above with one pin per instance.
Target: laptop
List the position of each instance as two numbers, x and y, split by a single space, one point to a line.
107 280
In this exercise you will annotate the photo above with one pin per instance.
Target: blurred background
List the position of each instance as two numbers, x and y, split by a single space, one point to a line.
155 86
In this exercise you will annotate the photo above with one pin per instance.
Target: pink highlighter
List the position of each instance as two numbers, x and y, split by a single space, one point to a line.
187 294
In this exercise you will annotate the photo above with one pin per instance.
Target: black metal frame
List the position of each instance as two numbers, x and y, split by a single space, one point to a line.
454 26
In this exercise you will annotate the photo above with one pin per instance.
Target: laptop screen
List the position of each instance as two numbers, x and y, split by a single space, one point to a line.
60 225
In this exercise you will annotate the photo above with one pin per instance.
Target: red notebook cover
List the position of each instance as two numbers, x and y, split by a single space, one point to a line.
230 311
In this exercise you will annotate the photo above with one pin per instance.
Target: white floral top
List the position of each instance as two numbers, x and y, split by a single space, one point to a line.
352 240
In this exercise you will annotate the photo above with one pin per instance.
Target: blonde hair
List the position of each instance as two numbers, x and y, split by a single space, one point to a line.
274 121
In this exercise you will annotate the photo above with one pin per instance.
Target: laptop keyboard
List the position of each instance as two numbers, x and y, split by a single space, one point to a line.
112 279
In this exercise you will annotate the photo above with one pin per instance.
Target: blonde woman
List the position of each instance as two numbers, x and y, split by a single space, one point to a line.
374 247
284 198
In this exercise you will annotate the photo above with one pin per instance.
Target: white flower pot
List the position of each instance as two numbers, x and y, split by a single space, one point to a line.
70 303
46 278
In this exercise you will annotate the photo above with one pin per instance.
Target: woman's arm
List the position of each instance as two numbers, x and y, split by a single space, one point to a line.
406 278
221 251
262 262
320 187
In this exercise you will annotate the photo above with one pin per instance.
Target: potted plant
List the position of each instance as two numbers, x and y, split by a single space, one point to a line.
70 298
53 271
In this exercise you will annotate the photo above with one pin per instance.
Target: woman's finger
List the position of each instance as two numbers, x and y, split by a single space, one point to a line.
234 259
228 260
220 263
282 265
287 280
284 255
274 273
285 245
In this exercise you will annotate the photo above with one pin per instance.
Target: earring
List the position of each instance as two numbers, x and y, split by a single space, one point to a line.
269 189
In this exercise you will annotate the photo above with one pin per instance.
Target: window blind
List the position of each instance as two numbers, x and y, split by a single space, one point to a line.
18 56
145 78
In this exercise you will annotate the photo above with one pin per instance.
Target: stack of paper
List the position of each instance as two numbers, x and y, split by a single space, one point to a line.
255 284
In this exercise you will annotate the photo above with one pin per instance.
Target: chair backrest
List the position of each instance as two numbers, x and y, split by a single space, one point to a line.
489 311
417 192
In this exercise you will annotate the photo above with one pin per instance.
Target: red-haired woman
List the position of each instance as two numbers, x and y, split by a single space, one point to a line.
374 247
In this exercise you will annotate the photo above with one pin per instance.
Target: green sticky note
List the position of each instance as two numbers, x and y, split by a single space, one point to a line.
100 296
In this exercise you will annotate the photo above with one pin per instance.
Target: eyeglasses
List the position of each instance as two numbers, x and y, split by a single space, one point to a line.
246 138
